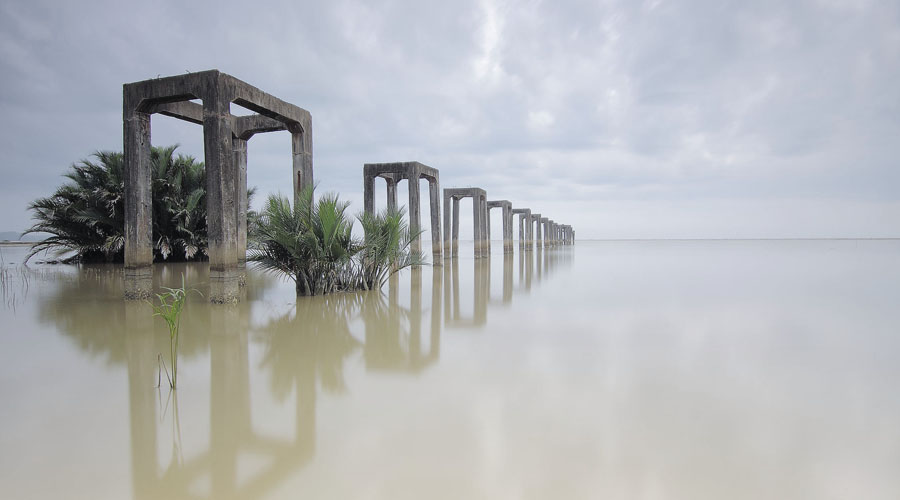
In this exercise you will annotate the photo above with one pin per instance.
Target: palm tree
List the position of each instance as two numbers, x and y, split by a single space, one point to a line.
385 248
310 242
179 210
87 214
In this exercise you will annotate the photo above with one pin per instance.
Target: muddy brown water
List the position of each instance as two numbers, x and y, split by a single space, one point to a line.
620 370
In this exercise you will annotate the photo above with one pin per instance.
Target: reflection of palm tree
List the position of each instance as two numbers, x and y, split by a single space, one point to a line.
386 338
87 307
312 343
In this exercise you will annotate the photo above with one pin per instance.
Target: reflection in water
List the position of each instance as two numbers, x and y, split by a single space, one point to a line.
302 347
300 351
87 307
393 334
480 294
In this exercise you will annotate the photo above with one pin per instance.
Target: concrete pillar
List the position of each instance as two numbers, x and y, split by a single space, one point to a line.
415 223
455 226
529 232
447 237
220 200
434 195
486 248
544 232
522 231
479 227
392 194
507 229
301 145
485 243
538 239
138 204
239 146
369 194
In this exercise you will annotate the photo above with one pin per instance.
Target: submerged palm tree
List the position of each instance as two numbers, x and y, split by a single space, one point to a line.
87 214
385 249
312 244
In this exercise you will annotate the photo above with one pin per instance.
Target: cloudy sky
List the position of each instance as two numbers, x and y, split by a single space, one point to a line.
625 119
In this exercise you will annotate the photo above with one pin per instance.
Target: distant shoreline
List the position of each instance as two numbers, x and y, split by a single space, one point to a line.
13 243
740 239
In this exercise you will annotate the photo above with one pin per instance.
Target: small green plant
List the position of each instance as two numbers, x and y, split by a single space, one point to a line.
171 303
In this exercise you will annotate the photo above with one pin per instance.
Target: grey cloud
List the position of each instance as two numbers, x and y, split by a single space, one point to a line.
578 102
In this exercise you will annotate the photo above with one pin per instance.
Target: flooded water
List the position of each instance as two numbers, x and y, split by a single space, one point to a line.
615 370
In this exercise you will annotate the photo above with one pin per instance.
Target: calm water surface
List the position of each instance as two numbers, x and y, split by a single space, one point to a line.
614 370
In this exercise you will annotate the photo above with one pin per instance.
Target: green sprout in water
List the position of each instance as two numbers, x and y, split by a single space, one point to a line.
171 303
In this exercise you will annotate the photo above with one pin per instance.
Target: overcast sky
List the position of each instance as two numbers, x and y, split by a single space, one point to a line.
624 119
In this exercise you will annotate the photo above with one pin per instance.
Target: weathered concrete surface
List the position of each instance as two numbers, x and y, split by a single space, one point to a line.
542 223
224 137
538 234
479 220
411 171
506 207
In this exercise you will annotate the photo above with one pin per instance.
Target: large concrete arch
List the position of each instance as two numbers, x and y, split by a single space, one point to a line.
412 171
225 154
479 220
506 207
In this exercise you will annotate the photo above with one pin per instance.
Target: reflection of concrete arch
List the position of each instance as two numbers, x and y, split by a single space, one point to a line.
225 143
452 316
507 289
302 349
388 346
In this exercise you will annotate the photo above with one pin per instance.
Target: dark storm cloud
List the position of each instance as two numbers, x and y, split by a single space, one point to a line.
656 107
